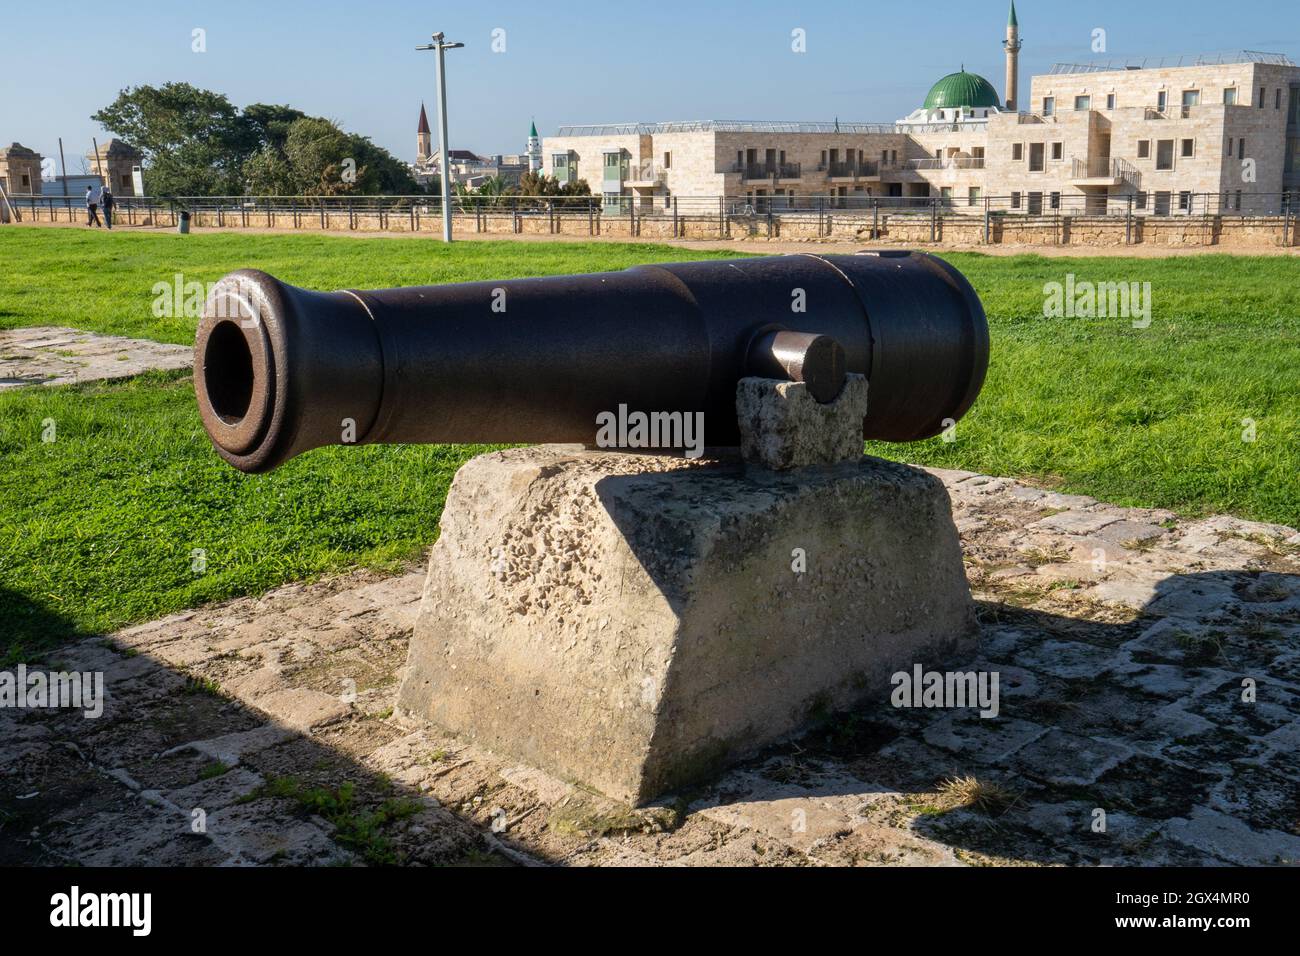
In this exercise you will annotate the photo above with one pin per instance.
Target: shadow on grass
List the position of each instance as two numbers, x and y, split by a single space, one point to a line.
31 628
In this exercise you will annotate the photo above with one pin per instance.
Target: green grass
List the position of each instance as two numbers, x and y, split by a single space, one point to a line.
98 528
105 282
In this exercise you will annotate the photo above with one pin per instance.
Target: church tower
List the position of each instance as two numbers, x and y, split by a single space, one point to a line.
423 142
1012 45
534 150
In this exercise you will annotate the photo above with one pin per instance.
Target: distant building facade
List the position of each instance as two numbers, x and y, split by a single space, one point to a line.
20 170
115 163
465 167
1085 137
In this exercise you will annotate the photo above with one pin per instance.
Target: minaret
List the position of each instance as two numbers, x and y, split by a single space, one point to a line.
1012 45
534 150
423 145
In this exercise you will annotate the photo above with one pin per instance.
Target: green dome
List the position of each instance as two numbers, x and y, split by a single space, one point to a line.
962 89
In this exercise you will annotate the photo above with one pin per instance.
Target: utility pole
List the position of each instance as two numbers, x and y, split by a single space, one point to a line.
440 44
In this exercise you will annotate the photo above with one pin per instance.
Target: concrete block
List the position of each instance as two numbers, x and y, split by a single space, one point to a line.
634 623
783 427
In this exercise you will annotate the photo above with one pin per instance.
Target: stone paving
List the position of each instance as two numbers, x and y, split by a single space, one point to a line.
48 355
1149 674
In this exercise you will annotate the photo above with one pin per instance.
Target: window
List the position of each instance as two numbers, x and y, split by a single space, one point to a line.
973 196
1110 101
560 161
1035 157
1277 100
1241 148
1144 149
1191 98
1184 201
27 180
1261 97
1162 100
1238 200
1164 154
614 167
1015 200
1141 201
126 180
1058 151
1049 105
1162 204
1229 152
1083 102
946 194
1188 148
1017 152
668 160
1056 200
1230 97
884 157
1035 204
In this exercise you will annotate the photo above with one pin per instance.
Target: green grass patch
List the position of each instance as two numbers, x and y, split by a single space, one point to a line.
106 282
128 514
361 829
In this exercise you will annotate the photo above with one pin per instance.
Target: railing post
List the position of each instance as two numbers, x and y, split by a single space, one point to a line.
933 224
875 219
986 220
1128 223
676 219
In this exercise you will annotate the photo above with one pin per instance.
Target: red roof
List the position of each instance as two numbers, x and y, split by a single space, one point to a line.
424 121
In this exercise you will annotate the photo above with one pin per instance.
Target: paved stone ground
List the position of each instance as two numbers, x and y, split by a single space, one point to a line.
1122 638
49 355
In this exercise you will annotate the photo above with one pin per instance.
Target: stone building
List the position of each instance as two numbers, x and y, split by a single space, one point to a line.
115 164
466 167
20 170
1148 136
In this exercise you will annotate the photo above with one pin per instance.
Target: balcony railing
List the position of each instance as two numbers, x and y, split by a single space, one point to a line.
853 169
768 170
951 162
1119 170
645 173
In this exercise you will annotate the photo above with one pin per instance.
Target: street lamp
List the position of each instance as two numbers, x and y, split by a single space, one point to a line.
440 45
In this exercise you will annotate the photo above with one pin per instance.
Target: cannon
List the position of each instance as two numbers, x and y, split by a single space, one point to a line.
280 370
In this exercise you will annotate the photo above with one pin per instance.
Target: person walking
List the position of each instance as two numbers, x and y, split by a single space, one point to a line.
107 201
92 203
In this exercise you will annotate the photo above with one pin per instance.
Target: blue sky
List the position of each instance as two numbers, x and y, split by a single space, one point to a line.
573 62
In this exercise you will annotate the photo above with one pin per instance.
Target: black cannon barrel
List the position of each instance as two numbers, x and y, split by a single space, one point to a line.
280 370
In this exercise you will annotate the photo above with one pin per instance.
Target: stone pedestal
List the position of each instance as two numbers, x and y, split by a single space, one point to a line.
633 623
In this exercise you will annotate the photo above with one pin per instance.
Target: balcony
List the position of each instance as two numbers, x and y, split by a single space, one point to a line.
951 162
645 175
765 171
867 169
1104 171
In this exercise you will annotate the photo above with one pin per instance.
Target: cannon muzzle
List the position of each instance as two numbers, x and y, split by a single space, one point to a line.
280 370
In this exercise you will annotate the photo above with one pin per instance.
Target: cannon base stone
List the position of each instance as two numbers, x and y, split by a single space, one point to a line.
634 622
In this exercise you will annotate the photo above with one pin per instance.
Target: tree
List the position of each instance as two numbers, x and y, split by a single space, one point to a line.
194 141
269 124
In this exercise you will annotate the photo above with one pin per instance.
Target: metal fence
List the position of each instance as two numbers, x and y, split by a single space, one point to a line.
421 212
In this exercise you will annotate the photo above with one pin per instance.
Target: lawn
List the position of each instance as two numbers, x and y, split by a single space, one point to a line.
105 524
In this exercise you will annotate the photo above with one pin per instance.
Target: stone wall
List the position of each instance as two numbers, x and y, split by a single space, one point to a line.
915 229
